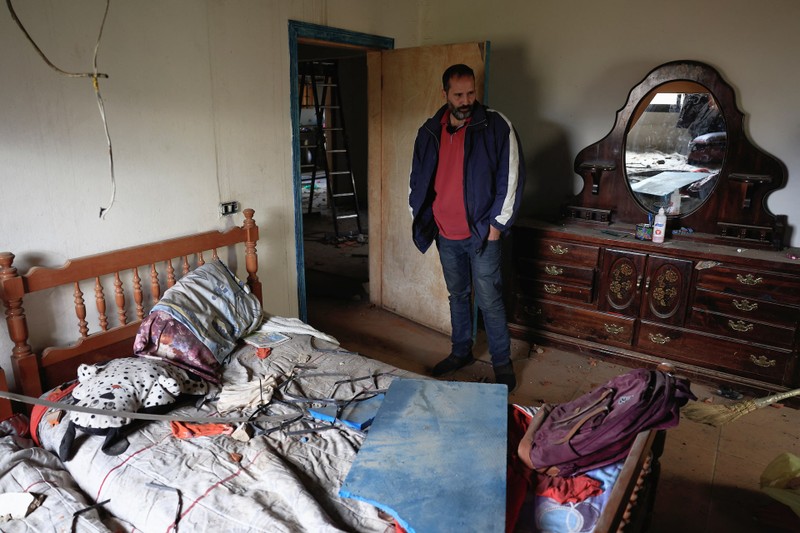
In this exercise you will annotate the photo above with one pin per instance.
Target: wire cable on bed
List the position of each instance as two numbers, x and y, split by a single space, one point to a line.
139 415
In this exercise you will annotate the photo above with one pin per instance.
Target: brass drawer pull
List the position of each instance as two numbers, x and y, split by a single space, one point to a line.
553 270
762 361
614 329
558 249
740 325
658 338
552 289
532 310
749 279
744 305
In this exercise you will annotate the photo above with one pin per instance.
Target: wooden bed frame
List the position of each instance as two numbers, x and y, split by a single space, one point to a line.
35 373
631 499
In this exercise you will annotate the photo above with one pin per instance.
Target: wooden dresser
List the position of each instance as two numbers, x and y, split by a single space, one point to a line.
719 313
720 298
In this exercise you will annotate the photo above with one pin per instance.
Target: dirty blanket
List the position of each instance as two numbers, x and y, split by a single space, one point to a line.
285 479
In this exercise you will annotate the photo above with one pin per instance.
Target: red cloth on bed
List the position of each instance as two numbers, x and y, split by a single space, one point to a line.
38 411
518 476
568 489
189 430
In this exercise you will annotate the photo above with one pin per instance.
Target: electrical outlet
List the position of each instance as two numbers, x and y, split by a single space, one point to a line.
228 208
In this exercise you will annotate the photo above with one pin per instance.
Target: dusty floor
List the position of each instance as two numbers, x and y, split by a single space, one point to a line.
709 477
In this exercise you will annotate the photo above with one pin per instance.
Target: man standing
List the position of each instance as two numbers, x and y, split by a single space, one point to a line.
465 189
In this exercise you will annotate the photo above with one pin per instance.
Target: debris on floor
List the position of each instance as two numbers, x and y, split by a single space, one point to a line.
731 394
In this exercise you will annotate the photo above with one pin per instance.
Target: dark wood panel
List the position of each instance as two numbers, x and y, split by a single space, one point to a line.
553 289
716 353
744 329
667 289
747 308
621 283
527 245
560 272
574 321
768 286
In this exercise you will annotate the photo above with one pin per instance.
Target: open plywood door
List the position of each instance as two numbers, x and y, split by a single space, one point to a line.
405 88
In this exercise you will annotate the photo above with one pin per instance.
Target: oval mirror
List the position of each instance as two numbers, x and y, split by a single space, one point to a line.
675 146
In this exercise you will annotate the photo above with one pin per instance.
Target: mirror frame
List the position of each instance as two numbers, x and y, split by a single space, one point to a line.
736 212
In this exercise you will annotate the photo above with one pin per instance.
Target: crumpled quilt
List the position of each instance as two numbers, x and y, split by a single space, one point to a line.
25 467
216 307
273 483
280 324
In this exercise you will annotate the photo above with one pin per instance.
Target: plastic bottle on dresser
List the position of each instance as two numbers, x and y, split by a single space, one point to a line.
659 226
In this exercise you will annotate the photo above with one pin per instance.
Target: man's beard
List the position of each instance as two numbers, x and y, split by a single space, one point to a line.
460 113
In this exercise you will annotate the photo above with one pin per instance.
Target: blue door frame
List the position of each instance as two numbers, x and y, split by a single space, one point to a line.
325 34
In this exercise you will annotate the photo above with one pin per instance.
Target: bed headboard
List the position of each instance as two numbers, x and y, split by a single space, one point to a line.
5 405
136 271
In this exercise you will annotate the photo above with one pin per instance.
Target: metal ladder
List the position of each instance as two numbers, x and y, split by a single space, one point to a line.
329 156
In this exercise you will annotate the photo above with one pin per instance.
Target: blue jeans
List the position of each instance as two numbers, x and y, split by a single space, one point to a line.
463 267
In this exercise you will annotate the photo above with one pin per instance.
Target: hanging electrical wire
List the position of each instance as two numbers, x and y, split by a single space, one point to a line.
95 76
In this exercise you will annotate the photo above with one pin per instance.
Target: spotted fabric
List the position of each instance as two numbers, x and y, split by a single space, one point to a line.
129 384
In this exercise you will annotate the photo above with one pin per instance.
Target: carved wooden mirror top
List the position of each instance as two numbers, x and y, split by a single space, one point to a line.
679 143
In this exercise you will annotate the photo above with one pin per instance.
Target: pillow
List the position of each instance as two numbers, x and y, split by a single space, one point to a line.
217 307
162 336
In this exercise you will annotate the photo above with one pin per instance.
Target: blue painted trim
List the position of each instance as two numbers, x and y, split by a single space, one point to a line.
337 35
299 30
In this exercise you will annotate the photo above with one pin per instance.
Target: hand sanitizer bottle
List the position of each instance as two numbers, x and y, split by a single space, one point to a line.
659 226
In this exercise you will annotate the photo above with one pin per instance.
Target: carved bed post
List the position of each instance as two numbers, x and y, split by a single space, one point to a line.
23 360
251 257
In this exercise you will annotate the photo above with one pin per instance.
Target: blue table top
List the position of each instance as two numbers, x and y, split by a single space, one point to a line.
435 456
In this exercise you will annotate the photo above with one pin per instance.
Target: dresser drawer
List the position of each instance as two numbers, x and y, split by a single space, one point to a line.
744 329
561 273
715 353
561 252
768 286
747 308
549 288
576 322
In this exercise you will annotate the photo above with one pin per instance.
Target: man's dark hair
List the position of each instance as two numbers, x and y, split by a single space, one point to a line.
455 71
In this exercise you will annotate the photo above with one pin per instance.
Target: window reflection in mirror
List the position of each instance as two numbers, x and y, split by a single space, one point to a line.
675 147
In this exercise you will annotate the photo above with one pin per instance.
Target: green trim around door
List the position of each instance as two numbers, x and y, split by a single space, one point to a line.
324 34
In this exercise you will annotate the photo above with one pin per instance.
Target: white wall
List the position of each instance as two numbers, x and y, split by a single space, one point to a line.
198 107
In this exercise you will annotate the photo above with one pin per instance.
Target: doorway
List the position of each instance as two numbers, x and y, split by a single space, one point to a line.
332 242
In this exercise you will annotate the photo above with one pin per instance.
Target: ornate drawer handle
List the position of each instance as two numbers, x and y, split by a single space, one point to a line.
658 338
531 310
744 305
740 325
552 289
558 249
762 361
553 270
614 329
749 279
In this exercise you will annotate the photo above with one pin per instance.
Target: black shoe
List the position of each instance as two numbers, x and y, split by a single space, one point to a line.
451 363
504 375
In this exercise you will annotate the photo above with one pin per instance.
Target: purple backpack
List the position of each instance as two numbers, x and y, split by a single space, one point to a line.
599 427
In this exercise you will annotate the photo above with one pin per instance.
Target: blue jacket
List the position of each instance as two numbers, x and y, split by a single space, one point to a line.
494 175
